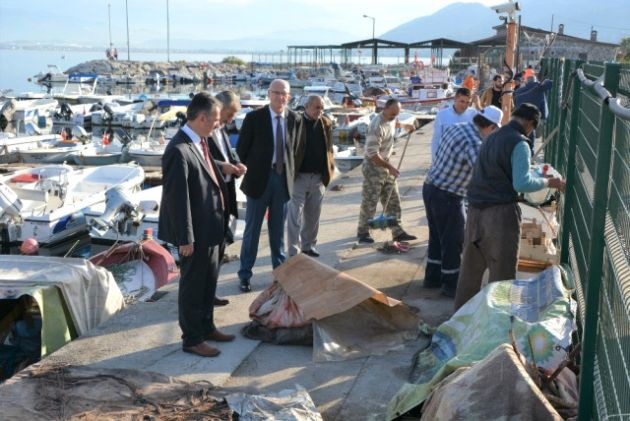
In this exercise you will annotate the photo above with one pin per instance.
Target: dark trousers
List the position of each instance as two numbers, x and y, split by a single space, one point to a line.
275 199
447 218
491 242
197 287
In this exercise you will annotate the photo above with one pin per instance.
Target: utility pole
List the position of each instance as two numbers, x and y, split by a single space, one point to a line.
127 15
373 38
510 53
168 35
109 20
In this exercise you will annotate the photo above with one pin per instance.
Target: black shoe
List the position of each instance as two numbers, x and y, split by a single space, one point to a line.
365 238
312 252
245 286
403 236
218 302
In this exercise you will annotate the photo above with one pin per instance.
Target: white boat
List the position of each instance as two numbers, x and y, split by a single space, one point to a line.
348 159
351 124
98 153
29 109
52 75
10 147
124 217
147 154
52 152
45 203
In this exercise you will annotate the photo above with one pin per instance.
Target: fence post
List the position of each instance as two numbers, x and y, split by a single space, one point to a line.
596 250
571 145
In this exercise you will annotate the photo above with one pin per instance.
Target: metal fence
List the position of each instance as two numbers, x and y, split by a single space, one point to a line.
589 142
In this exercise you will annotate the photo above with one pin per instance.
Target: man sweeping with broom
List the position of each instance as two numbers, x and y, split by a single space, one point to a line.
380 176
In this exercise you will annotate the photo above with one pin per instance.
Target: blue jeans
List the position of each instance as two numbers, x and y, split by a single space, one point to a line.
274 198
447 219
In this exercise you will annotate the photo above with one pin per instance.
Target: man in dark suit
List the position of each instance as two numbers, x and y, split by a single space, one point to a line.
265 146
193 218
227 160
228 163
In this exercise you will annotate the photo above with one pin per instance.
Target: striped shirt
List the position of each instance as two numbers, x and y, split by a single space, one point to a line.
455 158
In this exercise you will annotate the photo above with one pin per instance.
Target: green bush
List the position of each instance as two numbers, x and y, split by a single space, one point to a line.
233 60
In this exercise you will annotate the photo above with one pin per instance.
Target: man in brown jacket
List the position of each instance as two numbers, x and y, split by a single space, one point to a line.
314 165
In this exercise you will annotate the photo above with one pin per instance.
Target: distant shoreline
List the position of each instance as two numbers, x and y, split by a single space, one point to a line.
54 47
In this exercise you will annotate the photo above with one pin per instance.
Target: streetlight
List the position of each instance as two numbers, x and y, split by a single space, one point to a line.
373 23
168 35
373 38
127 15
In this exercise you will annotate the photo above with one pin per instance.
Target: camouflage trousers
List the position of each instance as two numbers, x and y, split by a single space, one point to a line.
377 185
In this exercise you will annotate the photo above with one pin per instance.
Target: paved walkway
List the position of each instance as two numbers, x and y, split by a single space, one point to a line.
146 336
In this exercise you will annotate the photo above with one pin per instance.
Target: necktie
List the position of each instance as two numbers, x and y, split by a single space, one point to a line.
279 146
206 155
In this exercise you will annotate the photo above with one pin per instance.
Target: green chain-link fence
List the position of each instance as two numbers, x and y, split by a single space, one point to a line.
589 142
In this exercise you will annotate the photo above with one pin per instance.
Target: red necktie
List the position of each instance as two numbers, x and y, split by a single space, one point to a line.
206 155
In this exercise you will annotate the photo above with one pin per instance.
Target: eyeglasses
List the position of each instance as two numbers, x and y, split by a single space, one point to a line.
280 93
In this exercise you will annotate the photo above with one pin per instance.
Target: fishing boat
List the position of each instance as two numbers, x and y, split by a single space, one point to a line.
46 203
124 217
140 268
56 152
348 159
11 146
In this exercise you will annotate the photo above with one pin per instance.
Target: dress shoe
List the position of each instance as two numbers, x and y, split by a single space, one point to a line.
245 285
218 302
219 336
312 252
202 349
365 238
403 236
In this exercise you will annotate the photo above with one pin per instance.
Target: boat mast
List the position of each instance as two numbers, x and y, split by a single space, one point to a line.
168 36
109 19
127 15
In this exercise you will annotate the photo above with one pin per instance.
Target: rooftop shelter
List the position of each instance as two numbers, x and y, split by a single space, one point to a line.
314 54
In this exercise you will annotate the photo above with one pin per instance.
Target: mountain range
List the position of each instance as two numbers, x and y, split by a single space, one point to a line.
471 21
458 21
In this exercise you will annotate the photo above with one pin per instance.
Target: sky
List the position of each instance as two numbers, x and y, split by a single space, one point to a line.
85 22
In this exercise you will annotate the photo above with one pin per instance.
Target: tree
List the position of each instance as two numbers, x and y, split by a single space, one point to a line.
233 60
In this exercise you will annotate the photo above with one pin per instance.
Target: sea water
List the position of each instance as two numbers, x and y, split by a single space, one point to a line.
17 66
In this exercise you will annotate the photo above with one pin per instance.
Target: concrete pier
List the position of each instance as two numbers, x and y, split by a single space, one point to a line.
146 336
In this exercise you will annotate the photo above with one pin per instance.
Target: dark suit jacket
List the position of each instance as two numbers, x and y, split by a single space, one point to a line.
300 149
190 211
255 148
219 158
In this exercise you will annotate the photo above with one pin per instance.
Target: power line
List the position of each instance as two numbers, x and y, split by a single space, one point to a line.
591 24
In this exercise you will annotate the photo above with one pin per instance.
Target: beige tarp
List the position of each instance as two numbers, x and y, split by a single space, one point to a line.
350 318
321 291
496 388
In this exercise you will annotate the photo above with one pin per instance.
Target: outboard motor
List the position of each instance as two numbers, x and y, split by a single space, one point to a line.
119 208
181 119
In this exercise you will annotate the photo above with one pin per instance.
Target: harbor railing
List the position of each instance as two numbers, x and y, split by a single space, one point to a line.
588 133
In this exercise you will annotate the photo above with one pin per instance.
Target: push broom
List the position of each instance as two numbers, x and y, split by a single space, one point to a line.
387 221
